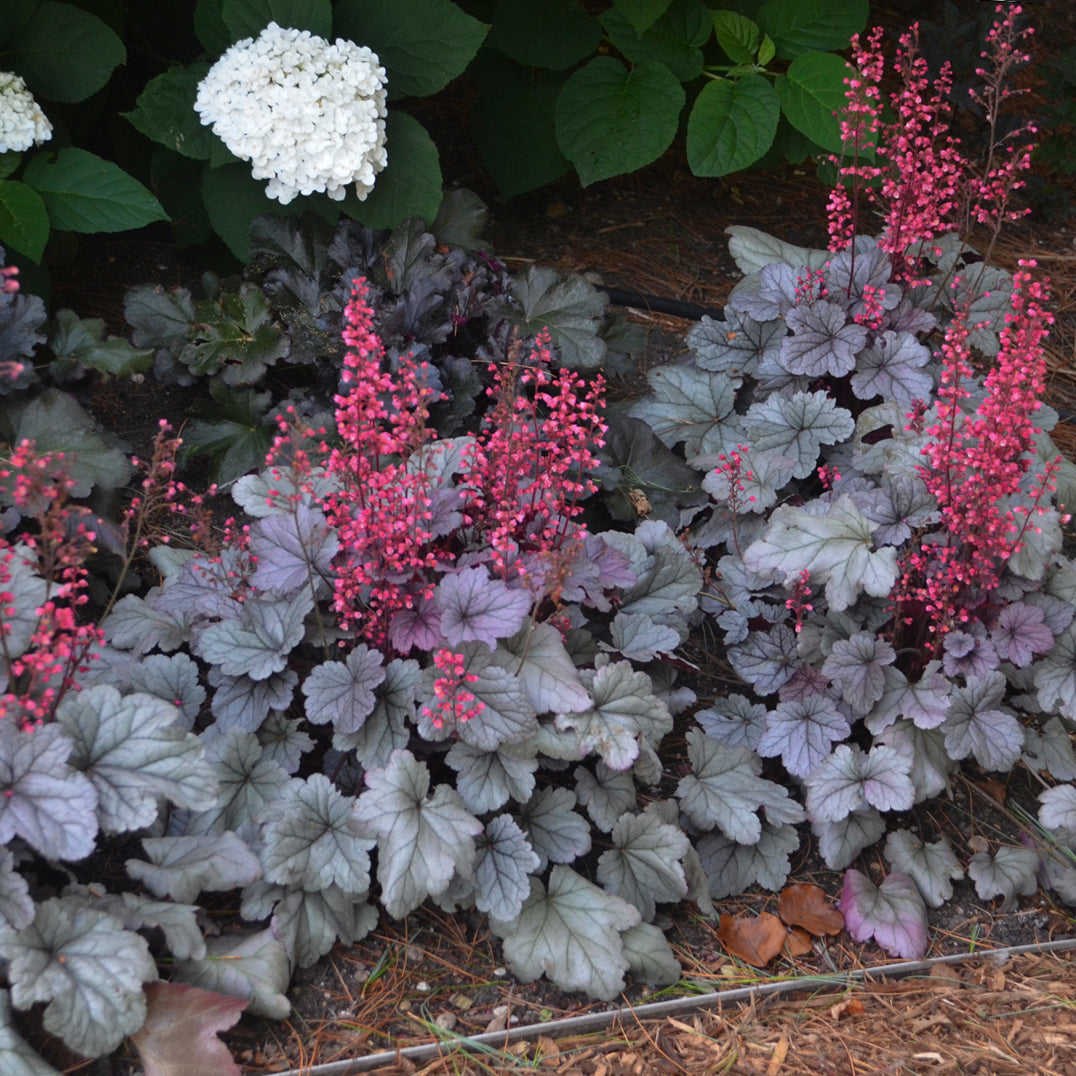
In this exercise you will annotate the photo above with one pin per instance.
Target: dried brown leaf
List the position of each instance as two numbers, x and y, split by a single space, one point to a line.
756 941
806 906
798 943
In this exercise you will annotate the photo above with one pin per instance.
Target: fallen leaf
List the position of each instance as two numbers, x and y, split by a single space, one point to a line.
179 1037
756 941
847 1007
798 943
806 906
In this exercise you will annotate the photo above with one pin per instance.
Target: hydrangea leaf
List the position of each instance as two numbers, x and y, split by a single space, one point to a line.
734 720
892 913
605 793
422 840
823 342
637 637
569 307
488 779
731 867
975 724
797 426
858 664
89 970
1009 873
133 753
293 550
556 831
179 1036
837 548
571 933
932 865
644 864
736 345
537 656
802 732
684 403
1055 675
477 608
247 779
260 642
766 659
183 867
16 904
651 959
840 842
502 869
250 966
726 791
852 779
16 1058
342 692
309 923
45 802
310 840
892 367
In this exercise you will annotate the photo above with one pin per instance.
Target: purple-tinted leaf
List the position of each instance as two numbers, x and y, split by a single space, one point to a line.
735 345
969 654
1020 633
933 866
179 1037
771 294
294 550
802 733
977 726
1050 751
734 720
537 657
925 703
858 666
840 842
853 269
1058 810
477 608
416 628
893 913
342 692
1057 612
852 780
766 660
1009 873
798 426
823 341
893 368
1055 675
684 403
240 702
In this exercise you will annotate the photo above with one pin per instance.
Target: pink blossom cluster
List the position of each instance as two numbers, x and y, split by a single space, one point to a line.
454 702
977 463
9 285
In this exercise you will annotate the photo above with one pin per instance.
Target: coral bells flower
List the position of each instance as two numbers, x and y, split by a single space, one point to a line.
308 115
454 702
22 123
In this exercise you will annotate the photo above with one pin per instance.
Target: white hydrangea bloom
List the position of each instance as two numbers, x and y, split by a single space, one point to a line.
308 115
22 123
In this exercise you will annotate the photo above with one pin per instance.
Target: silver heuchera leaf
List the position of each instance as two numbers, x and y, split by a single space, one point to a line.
1050 751
489 779
651 959
726 791
669 581
925 703
893 367
734 720
422 840
684 403
976 725
502 869
644 865
571 933
385 730
1055 676
556 831
252 966
545 668
932 866
342 692
797 426
173 678
283 740
852 780
605 793
893 913
1058 808
134 754
240 702
802 732
1020 633
508 715
183 867
1009 873
16 1058
42 799
478 608
28 592
766 659
928 760
16 904
89 970
311 840
310 923
840 842
293 550
752 250
731 867
823 341
736 345
858 666
637 637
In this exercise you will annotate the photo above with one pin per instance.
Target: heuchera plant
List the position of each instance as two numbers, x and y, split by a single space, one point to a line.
416 670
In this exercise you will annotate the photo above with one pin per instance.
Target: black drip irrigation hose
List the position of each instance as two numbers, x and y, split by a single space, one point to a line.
631 1015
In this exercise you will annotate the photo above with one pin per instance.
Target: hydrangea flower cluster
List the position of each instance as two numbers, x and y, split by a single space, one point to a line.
307 114
22 123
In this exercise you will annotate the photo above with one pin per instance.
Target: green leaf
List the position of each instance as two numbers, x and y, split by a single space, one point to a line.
512 122
675 40
738 35
569 307
422 44
165 113
16 1058
611 120
811 93
247 18
642 14
64 54
572 934
89 970
24 220
554 34
933 867
766 50
651 959
233 198
84 193
799 26
9 161
731 125
210 28
410 185
80 343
